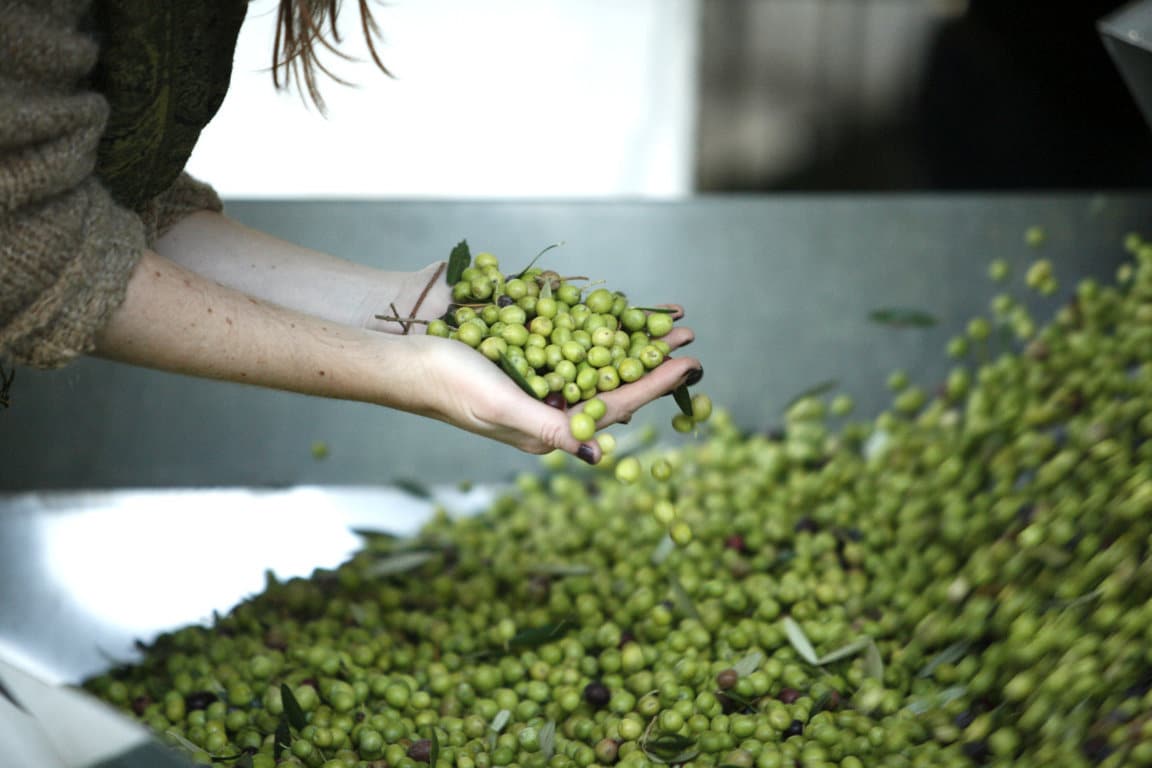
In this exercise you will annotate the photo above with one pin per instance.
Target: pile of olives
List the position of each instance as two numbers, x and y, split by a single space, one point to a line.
963 580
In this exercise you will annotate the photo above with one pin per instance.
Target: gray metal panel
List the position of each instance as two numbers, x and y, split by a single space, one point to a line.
777 288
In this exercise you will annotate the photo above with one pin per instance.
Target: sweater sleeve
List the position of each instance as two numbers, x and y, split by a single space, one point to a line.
67 249
184 197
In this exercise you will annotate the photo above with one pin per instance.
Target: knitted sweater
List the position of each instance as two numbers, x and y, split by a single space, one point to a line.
99 110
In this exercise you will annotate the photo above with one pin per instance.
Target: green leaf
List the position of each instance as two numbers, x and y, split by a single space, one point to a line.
560 569
921 704
183 742
873 664
548 739
536 258
245 761
434 752
949 655
851 649
500 720
799 640
815 390
657 310
283 738
902 317
530 638
508 368
683 399
497 725
372 535
459 261
748 664
681 599
670 749
663 549
296 717
412 487
679 759
400 562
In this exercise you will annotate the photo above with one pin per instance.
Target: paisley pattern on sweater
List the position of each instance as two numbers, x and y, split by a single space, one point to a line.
164 68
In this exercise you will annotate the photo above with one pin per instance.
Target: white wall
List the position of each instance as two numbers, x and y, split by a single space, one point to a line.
501 98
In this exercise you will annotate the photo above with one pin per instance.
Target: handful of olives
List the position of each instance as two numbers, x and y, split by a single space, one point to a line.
563 343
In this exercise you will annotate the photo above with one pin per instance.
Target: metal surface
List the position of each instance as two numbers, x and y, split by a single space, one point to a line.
778 290
1127 34
85 575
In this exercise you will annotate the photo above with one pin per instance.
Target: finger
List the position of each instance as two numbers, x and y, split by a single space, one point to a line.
667 376
679 337
548 429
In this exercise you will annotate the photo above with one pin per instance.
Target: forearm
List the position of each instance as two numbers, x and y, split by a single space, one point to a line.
175 320
266 267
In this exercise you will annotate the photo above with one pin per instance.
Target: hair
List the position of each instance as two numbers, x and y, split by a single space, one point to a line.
300 36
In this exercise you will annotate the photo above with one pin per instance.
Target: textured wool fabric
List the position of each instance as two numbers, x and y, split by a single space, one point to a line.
67 247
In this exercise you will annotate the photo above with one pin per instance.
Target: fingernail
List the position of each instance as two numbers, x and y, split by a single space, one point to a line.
694 377
586 454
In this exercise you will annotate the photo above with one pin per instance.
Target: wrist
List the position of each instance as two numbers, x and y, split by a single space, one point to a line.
398 299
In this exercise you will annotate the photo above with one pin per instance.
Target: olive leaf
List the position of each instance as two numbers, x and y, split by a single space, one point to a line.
282 739
401 562
670 749
820 388
873 664
530 638
902 317
412 487
183 742
560 569
498 722
535 258
434 750
922 704
748 664
681 599
358 613
295 714
851 649
373 535
666 547
459 261
657 310
949 655
548 739
683 399
799 640
508 368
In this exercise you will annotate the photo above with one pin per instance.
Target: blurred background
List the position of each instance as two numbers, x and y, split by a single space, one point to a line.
671 98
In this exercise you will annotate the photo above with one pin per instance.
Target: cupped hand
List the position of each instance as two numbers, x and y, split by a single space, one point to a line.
469 391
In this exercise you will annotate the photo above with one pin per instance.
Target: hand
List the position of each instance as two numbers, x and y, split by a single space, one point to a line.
469 391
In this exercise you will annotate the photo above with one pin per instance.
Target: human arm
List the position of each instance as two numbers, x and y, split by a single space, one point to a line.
310 281
175 320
